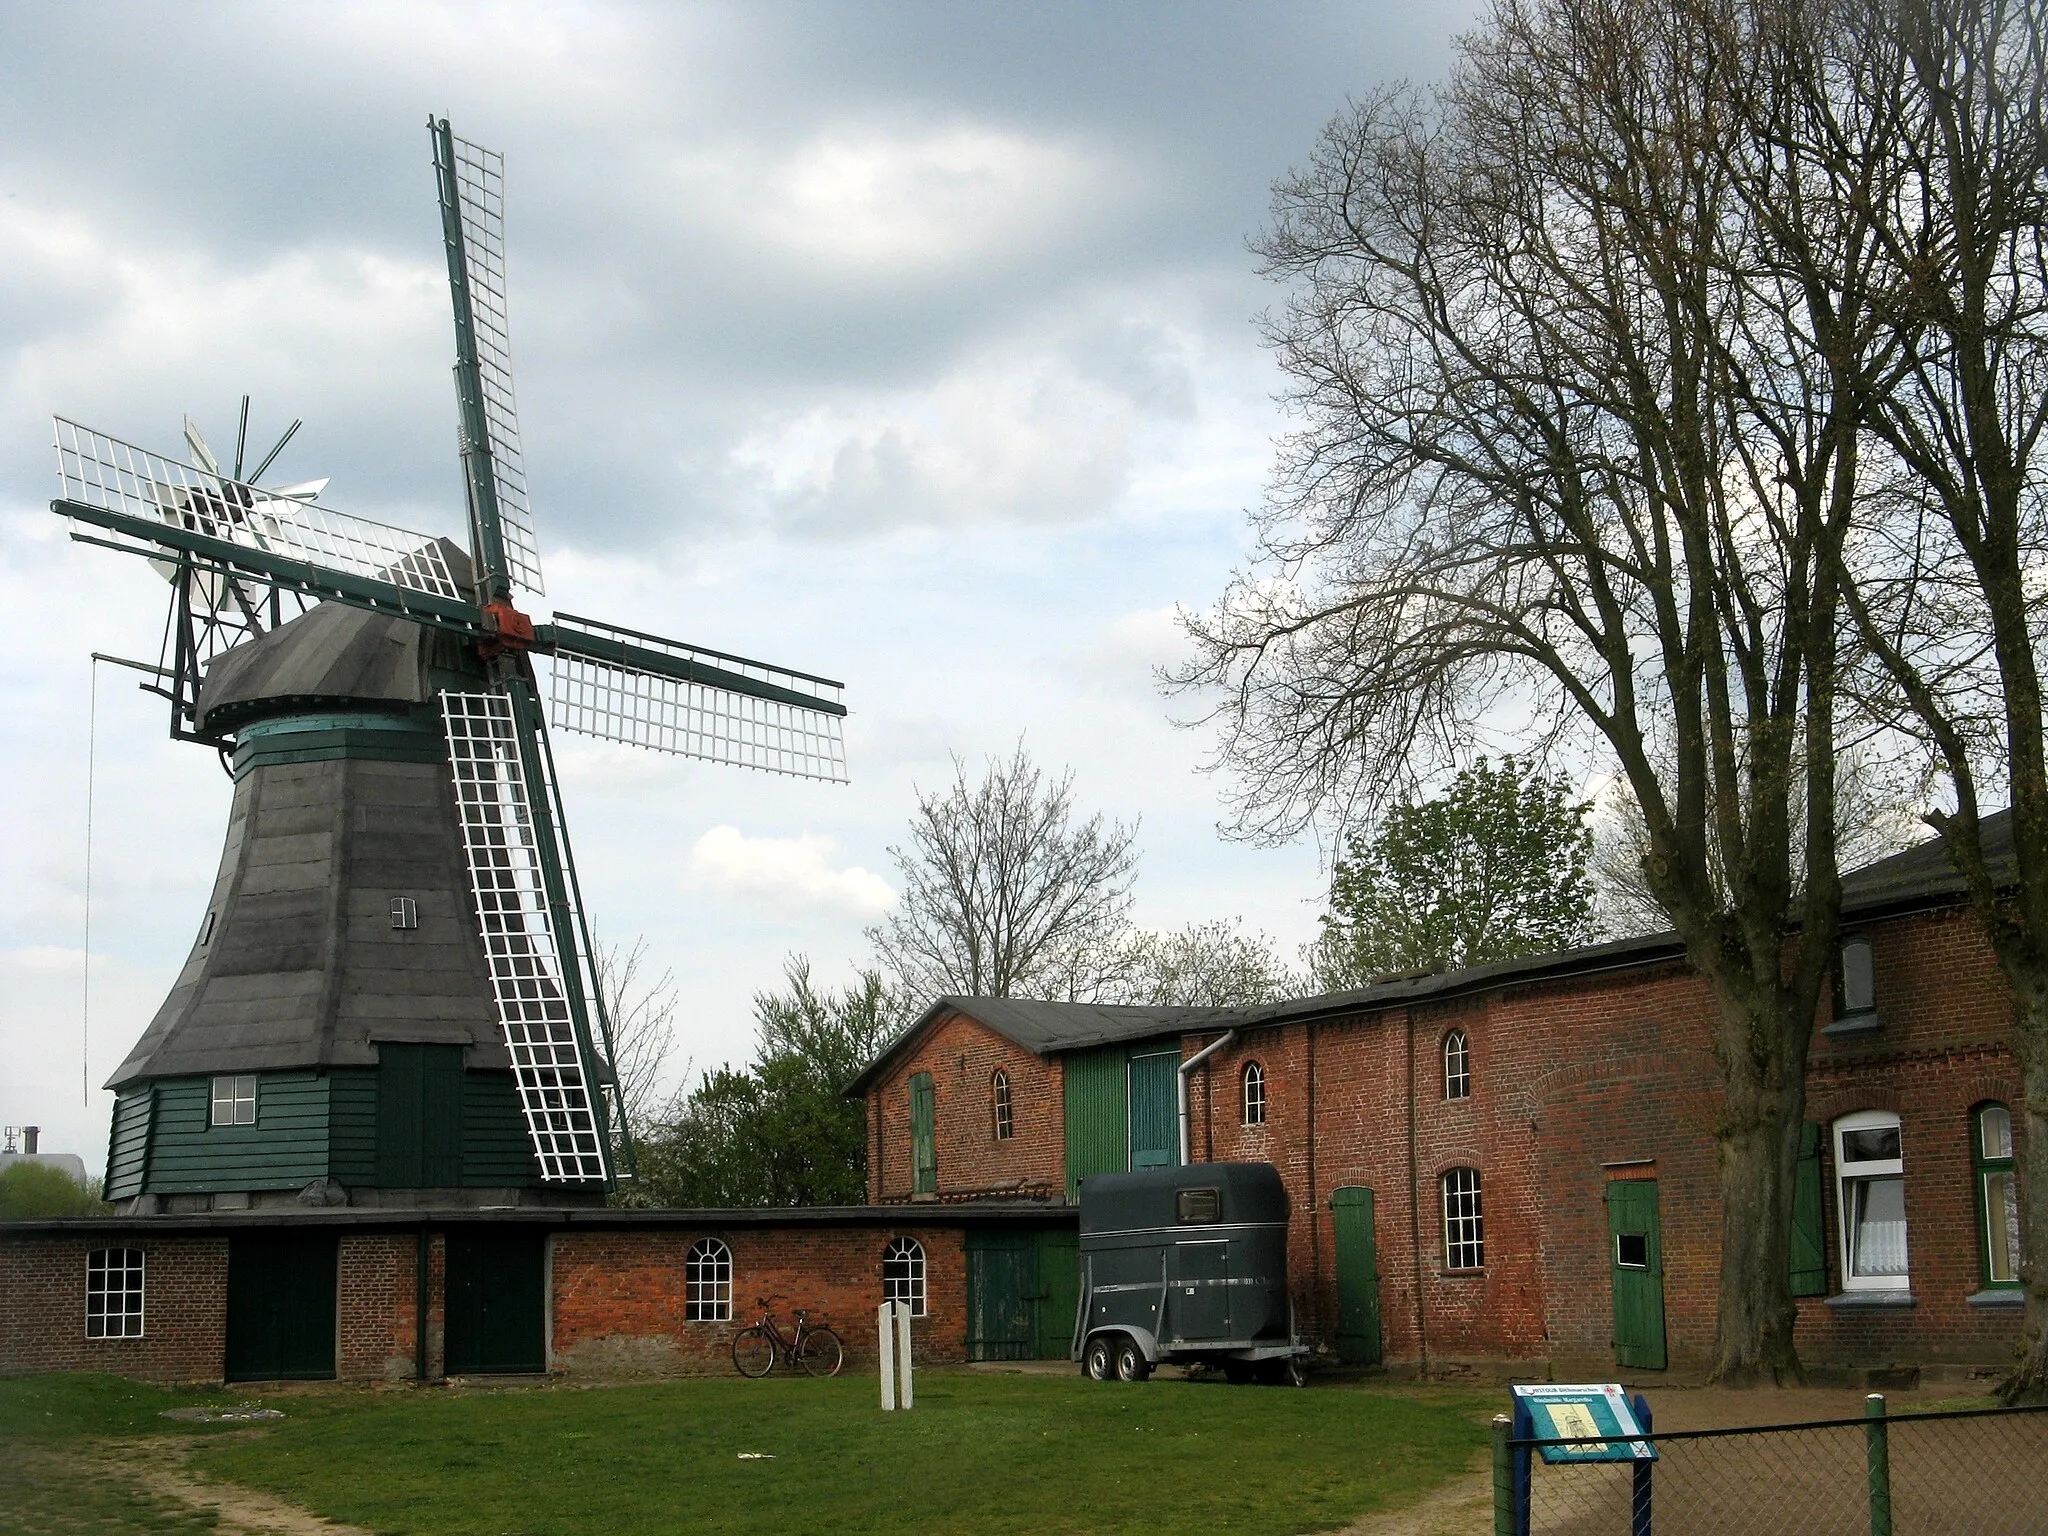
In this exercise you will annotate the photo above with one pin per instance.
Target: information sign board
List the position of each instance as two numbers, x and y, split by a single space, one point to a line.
1554 1412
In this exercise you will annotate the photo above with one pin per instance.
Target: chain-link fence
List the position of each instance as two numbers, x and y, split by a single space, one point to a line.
1930 1474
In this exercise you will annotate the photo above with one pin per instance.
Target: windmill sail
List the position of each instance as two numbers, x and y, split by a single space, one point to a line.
154 500
524 951
639 689
472 181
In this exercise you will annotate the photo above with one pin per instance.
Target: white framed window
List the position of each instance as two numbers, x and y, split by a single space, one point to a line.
1254 1094
1457 1065
1870 1182
234 1101
113 1293
405 912
1464 1226
999 1104
707 1282
903 1273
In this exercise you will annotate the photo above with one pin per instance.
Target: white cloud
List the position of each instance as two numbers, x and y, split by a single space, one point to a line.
786 869
1125 656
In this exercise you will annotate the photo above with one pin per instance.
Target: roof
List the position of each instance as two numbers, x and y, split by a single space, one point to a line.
1924 875
975 1213
1919 877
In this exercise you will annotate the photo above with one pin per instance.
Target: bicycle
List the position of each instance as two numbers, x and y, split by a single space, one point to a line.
816 1349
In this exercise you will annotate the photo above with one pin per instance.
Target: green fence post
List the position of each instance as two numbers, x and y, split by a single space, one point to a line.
1503 1479
1877 1451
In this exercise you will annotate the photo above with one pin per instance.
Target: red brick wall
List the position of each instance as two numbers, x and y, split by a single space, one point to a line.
375 1307
619 1296
42 1308
962 1056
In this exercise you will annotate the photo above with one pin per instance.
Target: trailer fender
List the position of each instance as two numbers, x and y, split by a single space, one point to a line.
1147 1341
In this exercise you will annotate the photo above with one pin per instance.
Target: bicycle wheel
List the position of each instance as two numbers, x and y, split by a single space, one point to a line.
753 1352
821 1354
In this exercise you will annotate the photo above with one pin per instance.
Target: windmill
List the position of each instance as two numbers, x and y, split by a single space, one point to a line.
398 715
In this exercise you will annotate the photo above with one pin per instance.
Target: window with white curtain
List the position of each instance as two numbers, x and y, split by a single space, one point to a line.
1870 1181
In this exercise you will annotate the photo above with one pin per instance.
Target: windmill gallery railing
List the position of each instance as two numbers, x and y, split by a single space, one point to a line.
1978 1472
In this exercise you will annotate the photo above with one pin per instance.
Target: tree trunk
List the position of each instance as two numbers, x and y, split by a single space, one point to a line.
1757 1142
2029 1380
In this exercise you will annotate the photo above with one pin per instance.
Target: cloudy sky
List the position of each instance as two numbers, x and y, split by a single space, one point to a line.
908 344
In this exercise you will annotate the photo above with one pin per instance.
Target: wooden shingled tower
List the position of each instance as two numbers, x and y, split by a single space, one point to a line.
390 999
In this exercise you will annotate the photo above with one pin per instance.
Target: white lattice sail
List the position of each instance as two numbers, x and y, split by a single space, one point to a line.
101 471
520 944
480 202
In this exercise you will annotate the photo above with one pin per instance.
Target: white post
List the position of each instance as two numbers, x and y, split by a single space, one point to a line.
886 1317
903 1347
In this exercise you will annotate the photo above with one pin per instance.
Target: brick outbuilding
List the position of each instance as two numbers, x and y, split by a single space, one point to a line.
1531 1142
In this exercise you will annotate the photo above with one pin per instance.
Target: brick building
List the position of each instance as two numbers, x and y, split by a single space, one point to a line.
1514 1165
338 1294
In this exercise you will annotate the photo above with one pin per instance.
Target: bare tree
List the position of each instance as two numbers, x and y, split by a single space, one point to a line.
1571 451
1945 578
1005 893
1217 964
642 1010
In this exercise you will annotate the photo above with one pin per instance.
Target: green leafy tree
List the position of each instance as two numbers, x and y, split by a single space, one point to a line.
1218 964
777 1132
30 1190
1493 868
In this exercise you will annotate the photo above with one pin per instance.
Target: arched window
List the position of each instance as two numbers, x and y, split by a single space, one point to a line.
1870 1177
1254 1094
1464 1229
903 1273
707 1282
1998 1208
1457 1065
999 1102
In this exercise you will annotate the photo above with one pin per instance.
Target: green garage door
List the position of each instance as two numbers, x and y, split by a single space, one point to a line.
1358 1276
1059 1290
281 1306
1002 1295
497 1302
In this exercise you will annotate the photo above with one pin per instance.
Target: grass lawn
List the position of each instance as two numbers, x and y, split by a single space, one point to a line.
981 1452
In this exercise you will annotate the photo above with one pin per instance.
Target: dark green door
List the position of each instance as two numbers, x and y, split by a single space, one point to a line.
419 1116
1358 1276
1198 1295
1059 1290
1635 1254
1002 1295
281 1306
1155 1119
497 1302
924 1145
1097 1107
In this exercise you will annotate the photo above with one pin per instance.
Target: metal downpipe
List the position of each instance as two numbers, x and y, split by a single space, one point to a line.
1181 1084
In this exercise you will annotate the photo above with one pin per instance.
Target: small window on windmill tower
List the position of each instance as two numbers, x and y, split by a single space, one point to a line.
206 931
405 913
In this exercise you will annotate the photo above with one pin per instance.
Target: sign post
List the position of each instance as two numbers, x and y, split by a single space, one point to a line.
1606 1425
893 1325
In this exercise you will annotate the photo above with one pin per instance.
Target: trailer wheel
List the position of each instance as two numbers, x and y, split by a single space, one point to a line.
1131 1364
1297 1371
1098 1360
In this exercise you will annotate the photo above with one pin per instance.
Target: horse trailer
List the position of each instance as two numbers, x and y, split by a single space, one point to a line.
1187 1265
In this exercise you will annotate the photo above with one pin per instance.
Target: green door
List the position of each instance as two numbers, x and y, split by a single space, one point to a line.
280 1323
924 1142
1198 1290
419 1116
1097 1104
1358 1276
1059 1290
497 1302
1002 1295
1155 1117
1635 1254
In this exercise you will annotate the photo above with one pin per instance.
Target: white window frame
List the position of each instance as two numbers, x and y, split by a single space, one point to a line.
1851 1175
233 1101
1457 1063
110 1273
2001 1241
1254 1093
1459 1190
999 1099
903 1273
707 1282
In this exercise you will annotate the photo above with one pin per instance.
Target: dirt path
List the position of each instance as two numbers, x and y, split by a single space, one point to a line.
1461 1507
160 1464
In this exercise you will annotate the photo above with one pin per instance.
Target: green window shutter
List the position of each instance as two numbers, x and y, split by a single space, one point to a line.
924 1150
1809 1252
